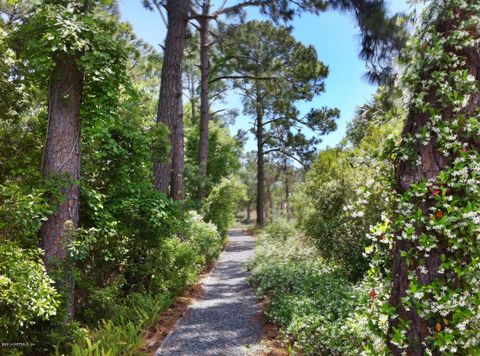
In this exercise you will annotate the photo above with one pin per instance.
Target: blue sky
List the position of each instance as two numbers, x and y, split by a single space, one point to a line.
333 34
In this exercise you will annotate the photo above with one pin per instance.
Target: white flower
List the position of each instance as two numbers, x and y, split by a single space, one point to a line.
418 295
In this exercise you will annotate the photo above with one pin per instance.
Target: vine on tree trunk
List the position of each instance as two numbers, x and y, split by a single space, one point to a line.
433 238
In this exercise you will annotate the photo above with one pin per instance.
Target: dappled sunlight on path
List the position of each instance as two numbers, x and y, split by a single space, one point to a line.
227 317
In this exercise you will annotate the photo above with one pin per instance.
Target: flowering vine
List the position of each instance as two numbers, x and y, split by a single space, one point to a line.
428 249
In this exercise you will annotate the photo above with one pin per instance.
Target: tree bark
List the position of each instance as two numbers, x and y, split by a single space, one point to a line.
270 200
193 112
61 158
408 173
204 93
178 156
169 173
260 163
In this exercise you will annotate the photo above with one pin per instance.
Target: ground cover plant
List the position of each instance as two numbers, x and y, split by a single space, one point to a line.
318 309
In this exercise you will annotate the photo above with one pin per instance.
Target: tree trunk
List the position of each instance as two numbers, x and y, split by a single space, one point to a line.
270 201
408 173
204 99
178 156
61 158
192 102
192 110
249 212
170 111
260 164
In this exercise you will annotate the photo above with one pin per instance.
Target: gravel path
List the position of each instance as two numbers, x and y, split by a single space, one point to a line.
225 321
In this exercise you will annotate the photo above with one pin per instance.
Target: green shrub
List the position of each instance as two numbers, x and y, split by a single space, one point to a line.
110 339
318 309
280 228
336 211
182 258
27 294
119 247
173 264
223 201
177 266
22 213
152 220
224 152
123 334
204 237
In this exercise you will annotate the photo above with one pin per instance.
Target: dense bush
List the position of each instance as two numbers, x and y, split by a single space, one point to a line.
125 273
343 197
27 294
318 309
133 301
340 235
205 237
223 202
224 152
22 212
280 228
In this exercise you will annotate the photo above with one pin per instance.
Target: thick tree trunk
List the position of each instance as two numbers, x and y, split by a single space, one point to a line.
170 111
260 164
408 173
204 92
178 156
61 158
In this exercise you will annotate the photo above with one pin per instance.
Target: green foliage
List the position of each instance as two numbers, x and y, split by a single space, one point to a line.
82 29
174 264
128 259
224 152
21 132
110 339
280 228
205 237
339 232
223 201
22 214
318 309
27 294
114 258
343 196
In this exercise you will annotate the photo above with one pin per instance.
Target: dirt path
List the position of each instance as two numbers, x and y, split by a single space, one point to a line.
226 320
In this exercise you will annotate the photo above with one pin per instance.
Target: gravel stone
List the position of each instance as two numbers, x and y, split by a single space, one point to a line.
226 319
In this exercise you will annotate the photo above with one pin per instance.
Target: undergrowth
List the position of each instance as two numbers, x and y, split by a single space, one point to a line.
318 309
122 333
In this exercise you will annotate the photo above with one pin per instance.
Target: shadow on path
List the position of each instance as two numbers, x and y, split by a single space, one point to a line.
226 319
